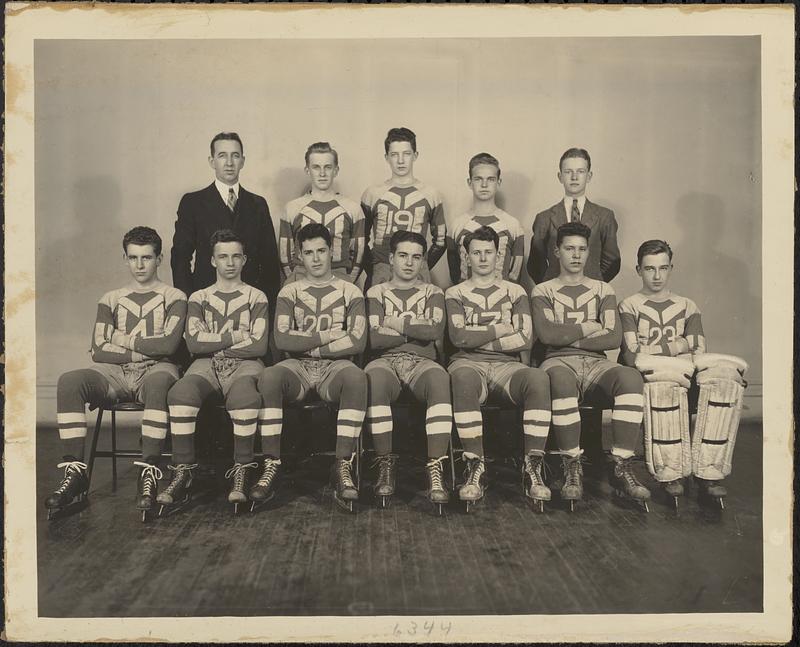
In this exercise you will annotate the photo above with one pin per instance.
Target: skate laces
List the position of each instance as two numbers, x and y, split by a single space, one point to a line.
435 471
475 468
72 469
625 472
345 473
238 472
270 469
385 465
533 466
573 469
150 475
182 472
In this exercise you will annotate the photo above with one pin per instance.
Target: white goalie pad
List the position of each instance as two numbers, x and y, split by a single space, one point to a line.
721 381
667 443
657 368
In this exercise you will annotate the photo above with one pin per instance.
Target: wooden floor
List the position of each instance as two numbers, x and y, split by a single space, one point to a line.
304 555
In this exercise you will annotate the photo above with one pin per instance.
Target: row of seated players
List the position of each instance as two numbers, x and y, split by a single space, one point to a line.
322 323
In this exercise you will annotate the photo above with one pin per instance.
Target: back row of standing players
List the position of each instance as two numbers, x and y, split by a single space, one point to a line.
321 323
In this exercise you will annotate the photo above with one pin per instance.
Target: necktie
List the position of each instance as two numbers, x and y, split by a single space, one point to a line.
232 199
575 214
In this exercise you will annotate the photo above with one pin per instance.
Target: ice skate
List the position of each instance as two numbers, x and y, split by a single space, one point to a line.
437 494
474 482
147 487
345 491
179 491
572 488
532 482
74 486
264 488
625 483
711 491
387 474
239 473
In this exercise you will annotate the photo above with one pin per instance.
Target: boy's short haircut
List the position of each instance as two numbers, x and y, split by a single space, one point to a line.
576 152
226 236
484 158
653 247
405 236
400 135
322 147
313 230
142 236
572 229
226 136
484 233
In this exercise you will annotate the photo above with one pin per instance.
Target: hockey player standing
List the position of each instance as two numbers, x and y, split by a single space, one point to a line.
402 202
662 335
320 321
576 318
406 318
136 333
227 332
484 180
343 218
489 322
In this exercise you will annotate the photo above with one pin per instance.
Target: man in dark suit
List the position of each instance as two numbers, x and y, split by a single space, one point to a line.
224 204
575 172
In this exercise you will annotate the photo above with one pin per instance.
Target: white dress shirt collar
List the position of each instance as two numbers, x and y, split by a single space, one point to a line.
224 188
568 205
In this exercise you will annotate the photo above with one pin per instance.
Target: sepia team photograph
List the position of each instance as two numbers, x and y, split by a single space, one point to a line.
398 323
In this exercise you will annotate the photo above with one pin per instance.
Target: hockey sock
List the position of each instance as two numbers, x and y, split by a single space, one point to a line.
530 389
433 388
153 394
185 399
384 388
243 404
566 417
276 385
349 390
467 409
75 390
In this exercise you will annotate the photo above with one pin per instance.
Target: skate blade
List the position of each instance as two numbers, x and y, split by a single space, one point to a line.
168 509
344 504
78 504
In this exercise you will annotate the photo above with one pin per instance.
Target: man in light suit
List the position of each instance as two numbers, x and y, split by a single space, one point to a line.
224 204
575 172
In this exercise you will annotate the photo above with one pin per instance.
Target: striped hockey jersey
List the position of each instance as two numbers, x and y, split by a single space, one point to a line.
136 326
229 324
343 218
309 319
559 309
509 254
473 314
421 309
413 208
653 327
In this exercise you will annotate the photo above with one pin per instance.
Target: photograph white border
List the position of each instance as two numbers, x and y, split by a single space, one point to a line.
26 22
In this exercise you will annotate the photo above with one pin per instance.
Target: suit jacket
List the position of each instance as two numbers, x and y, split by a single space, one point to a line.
604 260
203 212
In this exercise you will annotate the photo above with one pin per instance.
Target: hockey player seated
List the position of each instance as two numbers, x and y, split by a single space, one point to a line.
406 318
227 335
663 338
320 322
576 319
489 323
136 333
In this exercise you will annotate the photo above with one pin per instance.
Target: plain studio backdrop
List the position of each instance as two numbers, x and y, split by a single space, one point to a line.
672 124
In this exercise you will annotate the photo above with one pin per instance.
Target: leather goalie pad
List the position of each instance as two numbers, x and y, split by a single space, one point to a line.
718 410
658 368
667 443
